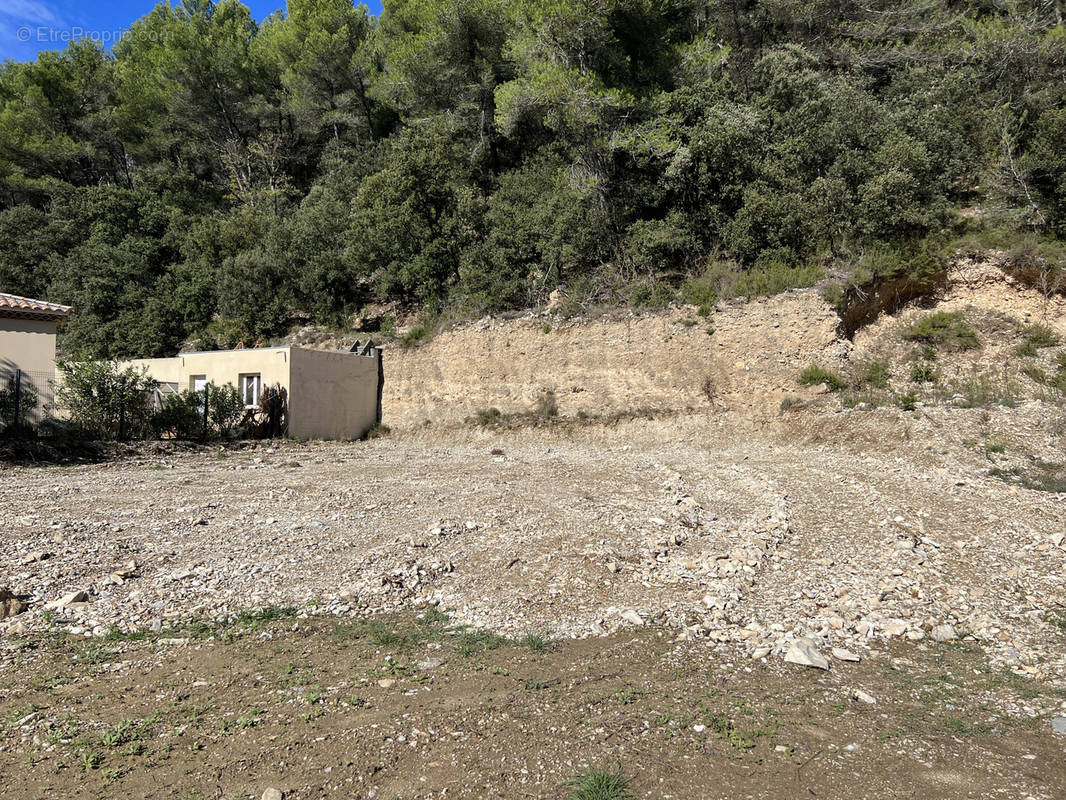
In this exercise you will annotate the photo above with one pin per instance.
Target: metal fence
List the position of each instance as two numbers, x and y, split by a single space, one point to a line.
25 399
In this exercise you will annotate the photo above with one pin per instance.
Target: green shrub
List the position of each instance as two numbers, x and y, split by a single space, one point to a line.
923 372
105 401
945 329
814 375
700 291
650 294
181 416
415 334
226 411
1059 380
1037 337
908 401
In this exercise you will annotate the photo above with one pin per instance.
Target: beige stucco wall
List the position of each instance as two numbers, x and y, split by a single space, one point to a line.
30 345
332 395
220 366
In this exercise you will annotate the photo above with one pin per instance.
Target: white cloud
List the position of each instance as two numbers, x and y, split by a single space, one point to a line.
28 11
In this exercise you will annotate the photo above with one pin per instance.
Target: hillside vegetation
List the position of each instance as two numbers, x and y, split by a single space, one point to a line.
218 179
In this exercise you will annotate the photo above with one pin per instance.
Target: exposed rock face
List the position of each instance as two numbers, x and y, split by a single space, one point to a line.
666 361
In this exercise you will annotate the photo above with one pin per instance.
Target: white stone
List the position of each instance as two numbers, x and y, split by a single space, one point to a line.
803 652
841 654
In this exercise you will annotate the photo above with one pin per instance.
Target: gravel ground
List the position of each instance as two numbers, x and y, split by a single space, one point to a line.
745 539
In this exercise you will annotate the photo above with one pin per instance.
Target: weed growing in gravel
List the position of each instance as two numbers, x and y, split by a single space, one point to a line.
908 401
536 685
434 617
90 760
1035 374
982 389
814 375
94 654
488 416
599 783
253 619
875 374
923 372
536 642
945 329
470 643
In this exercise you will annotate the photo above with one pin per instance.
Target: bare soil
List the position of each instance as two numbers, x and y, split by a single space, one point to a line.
402 707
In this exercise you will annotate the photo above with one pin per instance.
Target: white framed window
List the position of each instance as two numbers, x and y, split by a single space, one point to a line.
197 382
250 385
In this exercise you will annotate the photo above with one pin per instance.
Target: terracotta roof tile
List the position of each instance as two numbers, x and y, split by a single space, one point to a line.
27 306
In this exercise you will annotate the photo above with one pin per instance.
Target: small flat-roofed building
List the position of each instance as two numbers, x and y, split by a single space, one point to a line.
331 394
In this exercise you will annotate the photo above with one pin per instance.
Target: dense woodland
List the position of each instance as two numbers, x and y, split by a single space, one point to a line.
218 179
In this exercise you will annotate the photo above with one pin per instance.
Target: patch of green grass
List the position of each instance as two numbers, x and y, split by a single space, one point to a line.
995 446
255 617
94 654
774 278
814 375
1040 476
470 643
948 330
599 783
536 642
434 617
908 401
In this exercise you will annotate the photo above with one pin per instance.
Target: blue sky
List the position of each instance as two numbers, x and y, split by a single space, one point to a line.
29 26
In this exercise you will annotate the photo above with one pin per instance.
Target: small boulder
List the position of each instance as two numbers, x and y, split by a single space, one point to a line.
79 596
273 794
803 652
944 633
632 617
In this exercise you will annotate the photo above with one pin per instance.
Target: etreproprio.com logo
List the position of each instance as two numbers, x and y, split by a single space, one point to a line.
43 34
